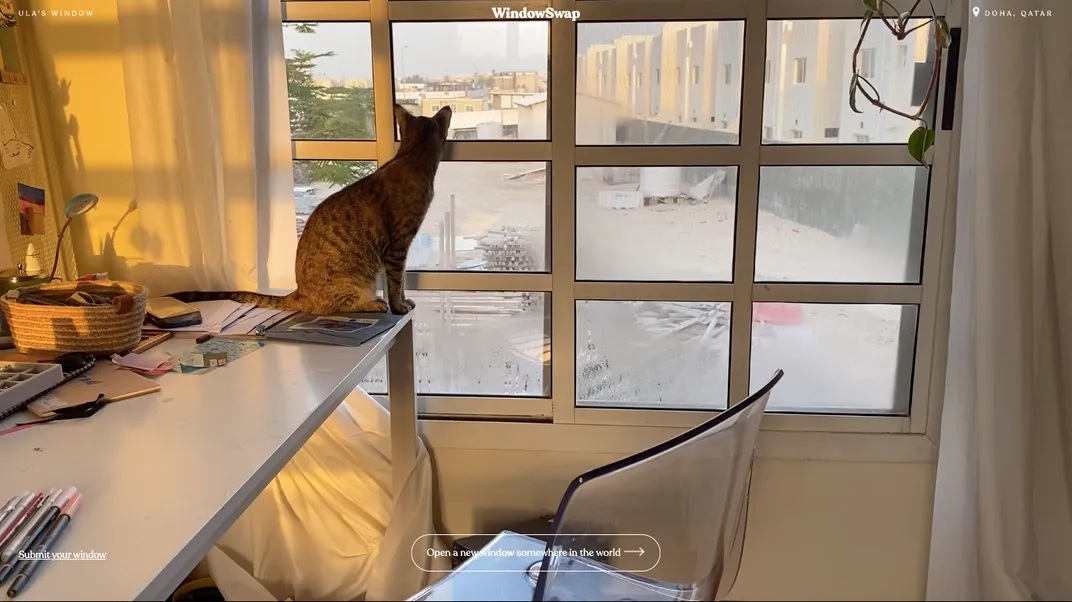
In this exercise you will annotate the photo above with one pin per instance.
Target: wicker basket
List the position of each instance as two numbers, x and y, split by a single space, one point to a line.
64 329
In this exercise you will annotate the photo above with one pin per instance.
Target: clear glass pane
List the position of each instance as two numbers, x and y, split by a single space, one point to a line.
841 224
807 75
646 354
838 359
485 217
329 79
469 343
656 223
493 75
659 83
315 181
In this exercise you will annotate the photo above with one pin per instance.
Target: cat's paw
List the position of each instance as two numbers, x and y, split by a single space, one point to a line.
400 310
410 303
376 306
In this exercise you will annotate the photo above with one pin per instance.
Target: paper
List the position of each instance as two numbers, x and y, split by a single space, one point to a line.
335 324
31 210
15 148
194 360
150 363
247 323
215 316
104 379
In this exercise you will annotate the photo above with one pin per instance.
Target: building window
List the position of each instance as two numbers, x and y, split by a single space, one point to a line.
867 63
902 55
652 318
800 70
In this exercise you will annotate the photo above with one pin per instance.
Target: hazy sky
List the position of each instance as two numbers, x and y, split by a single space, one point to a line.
435 49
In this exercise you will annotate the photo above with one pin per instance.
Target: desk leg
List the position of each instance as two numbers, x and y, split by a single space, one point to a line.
401 392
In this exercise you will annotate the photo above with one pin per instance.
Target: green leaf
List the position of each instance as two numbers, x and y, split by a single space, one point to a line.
852 93
942 32
919 142
871 5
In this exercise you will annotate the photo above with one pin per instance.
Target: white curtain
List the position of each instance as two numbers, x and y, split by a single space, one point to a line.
1002 527
206 92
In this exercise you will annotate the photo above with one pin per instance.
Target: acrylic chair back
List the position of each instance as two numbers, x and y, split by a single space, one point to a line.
665 524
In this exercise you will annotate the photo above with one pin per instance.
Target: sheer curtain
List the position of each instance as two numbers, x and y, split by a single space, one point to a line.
207 95
1002 527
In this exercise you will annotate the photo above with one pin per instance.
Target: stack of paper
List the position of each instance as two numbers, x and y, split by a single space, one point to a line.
231 318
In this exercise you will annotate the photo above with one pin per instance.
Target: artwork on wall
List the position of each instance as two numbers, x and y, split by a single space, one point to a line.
15 148
7 13
31 210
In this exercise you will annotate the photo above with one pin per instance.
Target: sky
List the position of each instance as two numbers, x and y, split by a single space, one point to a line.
436 49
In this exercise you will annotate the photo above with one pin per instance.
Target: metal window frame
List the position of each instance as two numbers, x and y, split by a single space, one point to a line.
749 155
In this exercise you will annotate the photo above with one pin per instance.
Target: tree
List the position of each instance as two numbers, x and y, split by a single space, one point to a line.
326 112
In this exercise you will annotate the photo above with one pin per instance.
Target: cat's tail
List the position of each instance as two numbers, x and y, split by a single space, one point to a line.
269 301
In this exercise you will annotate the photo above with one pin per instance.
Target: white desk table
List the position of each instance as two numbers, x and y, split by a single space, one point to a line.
165 475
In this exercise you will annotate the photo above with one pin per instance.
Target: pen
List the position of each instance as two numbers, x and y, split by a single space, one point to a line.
29 566
8 526
203 338
28 518
54 501
10 505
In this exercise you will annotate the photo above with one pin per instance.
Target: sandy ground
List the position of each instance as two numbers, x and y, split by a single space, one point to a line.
840 358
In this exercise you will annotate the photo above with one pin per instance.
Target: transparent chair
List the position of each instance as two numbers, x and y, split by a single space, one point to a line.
667 523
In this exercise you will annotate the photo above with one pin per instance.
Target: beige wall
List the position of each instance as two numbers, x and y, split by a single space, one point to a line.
817 530
80 63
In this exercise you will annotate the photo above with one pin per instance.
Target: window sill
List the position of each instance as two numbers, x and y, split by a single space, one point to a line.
622 440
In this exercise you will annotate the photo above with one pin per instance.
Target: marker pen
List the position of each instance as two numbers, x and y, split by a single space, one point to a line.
27 568
10 505
16 515
30 523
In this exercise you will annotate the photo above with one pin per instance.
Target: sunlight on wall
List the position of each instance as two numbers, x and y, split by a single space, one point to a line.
80 59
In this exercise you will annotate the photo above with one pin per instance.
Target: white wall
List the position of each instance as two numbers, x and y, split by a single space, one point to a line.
817 529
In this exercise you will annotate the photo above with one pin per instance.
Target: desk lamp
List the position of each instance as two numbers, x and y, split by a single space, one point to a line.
79 205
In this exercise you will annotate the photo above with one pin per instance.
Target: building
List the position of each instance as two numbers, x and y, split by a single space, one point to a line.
430 106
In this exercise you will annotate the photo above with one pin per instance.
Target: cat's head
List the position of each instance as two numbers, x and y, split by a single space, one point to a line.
423 131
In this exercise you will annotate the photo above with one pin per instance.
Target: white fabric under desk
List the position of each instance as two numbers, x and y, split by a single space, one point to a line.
326 527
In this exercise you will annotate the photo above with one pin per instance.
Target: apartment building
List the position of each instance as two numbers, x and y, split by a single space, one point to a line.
690 74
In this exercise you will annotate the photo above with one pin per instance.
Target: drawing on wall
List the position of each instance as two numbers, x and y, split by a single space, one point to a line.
31 210
15 148
7 13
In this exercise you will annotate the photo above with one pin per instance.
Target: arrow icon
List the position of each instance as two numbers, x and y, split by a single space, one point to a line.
638 551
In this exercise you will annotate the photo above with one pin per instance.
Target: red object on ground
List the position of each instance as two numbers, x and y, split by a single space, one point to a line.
778 313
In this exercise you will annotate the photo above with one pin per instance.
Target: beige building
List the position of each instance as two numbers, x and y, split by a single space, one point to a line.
430 106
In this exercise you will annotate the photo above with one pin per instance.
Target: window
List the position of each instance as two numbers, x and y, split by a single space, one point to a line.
902 55
611 279
867 63
800 70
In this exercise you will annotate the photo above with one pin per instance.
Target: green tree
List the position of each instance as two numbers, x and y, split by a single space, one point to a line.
326 112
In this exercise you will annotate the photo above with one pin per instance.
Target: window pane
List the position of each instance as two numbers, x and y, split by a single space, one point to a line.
664 355
656 223
659 83
486 217
329 79
853 359
485 343
493 75
315 181
841 224
806 93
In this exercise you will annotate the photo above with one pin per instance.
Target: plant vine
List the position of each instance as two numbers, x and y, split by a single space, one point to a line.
922 138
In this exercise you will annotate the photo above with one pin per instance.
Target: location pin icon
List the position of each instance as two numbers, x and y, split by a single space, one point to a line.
975 11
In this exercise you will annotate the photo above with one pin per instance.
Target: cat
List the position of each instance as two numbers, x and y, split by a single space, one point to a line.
361 229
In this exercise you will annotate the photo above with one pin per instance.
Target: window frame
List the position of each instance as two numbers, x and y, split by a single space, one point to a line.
749 154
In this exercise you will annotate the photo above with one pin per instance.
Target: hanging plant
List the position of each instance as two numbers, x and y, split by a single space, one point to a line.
922 138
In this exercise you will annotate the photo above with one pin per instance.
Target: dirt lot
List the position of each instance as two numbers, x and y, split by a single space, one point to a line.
835 358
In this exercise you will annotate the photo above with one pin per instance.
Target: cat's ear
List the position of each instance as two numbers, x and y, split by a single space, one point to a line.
442 119
404 118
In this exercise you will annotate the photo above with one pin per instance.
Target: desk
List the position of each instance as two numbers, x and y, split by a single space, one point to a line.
165 475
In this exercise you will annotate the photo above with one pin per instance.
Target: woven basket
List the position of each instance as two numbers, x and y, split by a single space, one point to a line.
64 329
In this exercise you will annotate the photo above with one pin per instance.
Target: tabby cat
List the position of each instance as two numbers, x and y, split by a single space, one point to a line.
361 229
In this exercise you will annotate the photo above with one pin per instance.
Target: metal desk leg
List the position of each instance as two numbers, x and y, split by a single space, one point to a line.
401 391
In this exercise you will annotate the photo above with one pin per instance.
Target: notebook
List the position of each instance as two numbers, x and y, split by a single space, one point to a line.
106 379
347 330
90 361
